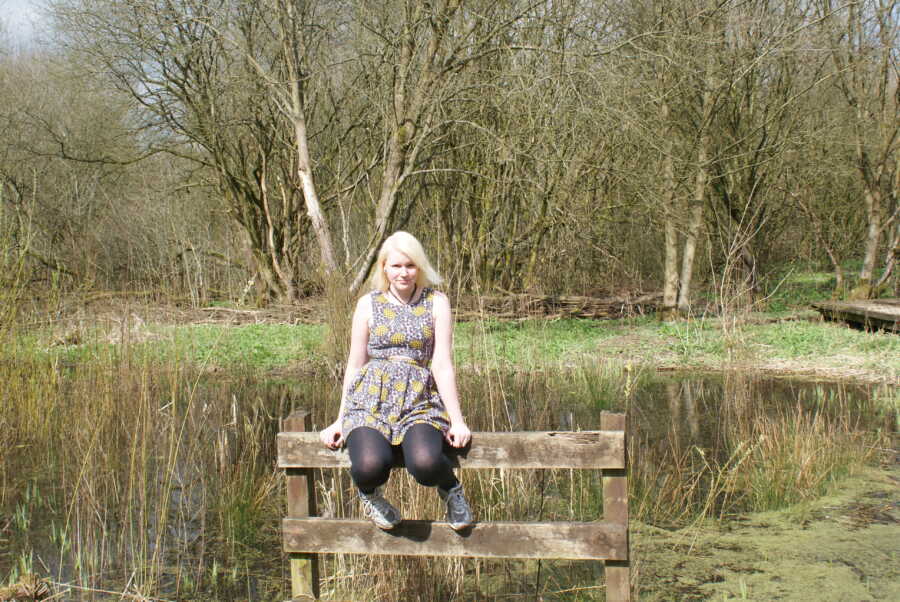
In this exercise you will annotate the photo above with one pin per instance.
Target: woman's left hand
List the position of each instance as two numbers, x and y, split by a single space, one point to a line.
458 435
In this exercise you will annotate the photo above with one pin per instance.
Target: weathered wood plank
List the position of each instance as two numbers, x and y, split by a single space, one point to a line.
576 541
301 502
615 509
585 449
878 313
615 482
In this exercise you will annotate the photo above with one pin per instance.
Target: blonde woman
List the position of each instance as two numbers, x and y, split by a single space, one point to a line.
391 397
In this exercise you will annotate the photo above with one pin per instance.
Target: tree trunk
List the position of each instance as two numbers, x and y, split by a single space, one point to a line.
695 217
690 249
310 195
890 257
669 309
294 51
702 177
865 289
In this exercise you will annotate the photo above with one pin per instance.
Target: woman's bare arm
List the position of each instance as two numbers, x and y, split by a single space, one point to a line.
444 372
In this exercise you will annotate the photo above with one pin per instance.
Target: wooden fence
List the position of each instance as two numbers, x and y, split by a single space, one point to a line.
300 453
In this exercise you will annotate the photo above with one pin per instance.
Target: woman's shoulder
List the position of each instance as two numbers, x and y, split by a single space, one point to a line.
375 296
365 302
436 298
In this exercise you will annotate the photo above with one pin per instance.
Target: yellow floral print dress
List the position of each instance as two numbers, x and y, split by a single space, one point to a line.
395 389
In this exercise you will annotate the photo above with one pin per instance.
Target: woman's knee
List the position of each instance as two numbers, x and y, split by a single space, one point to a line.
370 458
370 471
428 469
423 453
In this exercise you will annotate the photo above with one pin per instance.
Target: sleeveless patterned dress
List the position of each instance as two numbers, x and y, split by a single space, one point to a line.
395 389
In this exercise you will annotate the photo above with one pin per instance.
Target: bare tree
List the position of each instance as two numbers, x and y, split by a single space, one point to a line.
862 38
681 44
425 46
201 98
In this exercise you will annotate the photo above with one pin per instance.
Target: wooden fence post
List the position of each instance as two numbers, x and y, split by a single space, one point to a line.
301 502
615 509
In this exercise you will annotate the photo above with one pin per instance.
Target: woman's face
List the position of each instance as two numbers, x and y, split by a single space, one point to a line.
400 270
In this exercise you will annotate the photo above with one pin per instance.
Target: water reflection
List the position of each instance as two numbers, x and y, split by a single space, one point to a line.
695 408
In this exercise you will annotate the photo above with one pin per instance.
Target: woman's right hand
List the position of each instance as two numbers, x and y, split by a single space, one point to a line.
331 435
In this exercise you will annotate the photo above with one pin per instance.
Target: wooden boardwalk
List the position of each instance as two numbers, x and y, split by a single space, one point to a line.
877 314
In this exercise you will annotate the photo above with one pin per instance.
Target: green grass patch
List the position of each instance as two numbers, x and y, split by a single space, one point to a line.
795 289
530 342
262 346
804 339
253 346
798 286
527 344
692 338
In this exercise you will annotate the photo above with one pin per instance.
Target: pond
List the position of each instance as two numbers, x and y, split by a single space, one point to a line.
160 482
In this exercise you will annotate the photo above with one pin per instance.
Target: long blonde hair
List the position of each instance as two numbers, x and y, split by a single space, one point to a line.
409 245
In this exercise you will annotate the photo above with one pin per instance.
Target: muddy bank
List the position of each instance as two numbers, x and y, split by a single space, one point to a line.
841 547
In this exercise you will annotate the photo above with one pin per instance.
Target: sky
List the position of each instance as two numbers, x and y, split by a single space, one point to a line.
19 16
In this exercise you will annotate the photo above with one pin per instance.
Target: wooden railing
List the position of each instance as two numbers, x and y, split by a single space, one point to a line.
305 535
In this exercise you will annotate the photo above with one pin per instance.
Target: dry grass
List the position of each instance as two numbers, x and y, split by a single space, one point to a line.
154 480
767 456
145 474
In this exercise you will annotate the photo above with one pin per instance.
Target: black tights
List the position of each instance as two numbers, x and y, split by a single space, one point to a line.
371 457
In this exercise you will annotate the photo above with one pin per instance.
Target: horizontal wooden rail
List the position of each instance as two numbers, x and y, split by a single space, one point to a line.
550 449
571 540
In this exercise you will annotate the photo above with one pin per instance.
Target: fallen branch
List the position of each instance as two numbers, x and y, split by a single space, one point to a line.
522 305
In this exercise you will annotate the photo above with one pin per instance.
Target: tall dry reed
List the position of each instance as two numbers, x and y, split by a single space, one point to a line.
157 480
759 454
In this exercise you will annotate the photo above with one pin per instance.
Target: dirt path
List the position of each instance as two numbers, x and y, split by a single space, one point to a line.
843 547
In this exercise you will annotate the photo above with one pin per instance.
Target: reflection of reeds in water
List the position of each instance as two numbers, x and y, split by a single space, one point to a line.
796 453
759 454
150 485
148 480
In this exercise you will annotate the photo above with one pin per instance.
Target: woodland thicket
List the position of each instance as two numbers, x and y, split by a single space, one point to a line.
260 151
